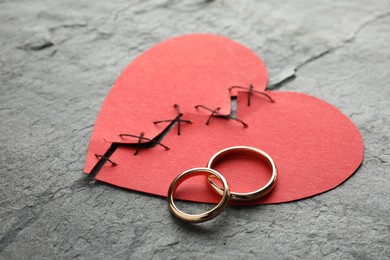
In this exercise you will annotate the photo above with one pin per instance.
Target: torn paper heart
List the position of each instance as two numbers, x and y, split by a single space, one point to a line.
315 147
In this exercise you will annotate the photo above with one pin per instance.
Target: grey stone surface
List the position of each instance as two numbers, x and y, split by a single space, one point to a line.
58 60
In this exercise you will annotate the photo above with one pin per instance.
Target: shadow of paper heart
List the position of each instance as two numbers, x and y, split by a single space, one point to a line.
315 147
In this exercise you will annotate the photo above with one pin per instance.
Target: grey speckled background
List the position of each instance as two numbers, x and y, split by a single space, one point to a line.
58 60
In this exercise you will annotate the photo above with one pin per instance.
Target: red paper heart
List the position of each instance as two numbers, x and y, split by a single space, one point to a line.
315 147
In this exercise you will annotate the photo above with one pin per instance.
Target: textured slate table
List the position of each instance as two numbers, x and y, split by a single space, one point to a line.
58 60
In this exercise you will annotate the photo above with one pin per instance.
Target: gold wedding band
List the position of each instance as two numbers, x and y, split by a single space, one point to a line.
225 192
244 150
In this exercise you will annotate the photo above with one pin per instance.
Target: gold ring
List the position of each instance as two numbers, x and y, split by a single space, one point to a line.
249 151
204 216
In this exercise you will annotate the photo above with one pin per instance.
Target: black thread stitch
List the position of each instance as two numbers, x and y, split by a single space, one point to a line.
99 156
250 91
179 120
141 137
215 113
115 145
139 142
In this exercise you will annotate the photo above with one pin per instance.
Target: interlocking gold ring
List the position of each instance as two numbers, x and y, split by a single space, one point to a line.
204 216
248 151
